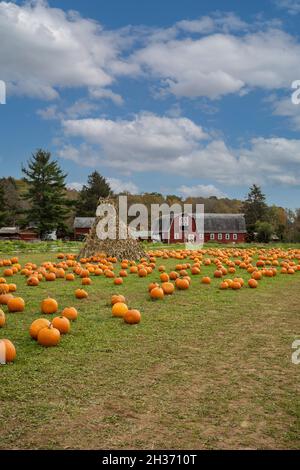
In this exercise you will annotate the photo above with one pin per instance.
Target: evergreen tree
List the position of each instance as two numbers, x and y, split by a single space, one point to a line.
3 213
254 209
14 205
46 193
96 187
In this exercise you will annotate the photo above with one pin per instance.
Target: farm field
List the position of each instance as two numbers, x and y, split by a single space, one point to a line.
205 369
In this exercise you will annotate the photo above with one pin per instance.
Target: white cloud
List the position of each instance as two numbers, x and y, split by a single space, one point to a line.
75 185
52 48
78 109
119 186
83 154
201 190
209 56
141 141
290 6
178 146
102 93
220 63
284 107
224 22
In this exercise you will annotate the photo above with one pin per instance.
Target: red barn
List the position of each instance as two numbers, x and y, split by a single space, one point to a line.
222 228
82 226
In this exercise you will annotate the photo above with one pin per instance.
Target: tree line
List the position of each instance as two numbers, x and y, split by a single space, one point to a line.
42 200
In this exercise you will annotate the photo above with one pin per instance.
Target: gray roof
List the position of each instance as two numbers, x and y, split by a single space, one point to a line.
219 223
224 223
83 222
9 230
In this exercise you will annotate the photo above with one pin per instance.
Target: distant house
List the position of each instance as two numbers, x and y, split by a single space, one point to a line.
9 233
15 233
82 226
222 228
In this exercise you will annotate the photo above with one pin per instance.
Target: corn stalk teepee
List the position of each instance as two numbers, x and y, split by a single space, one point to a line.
128 248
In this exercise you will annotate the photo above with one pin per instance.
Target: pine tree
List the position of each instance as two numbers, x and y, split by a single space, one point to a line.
254 209
97 187
45 192
3 212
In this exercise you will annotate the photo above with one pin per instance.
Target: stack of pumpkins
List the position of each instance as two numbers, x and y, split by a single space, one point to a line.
120 309
48 333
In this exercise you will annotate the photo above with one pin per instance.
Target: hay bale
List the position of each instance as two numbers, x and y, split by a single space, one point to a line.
128 248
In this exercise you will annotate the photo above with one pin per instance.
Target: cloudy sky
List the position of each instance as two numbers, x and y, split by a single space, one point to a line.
187 97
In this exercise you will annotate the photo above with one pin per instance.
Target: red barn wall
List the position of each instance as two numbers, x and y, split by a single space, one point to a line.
171 239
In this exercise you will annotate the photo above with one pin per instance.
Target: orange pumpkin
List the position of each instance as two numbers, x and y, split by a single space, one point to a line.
235 285
2 318
4 288
48 336
4 298
119 309
132 317
8 273
164 277
252 283
86 281
16 304
118 281
50 277
81 294
70 313
33 281
182 284
70 277
133 269
49 306
157 293
142 272
7 351
117 298
62 324
168 288
36 325
224 285
152 285
206 280
218 273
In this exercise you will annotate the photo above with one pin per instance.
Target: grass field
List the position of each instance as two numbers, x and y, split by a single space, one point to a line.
204 369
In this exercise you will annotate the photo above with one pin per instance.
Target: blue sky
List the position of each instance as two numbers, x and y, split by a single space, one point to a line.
191 98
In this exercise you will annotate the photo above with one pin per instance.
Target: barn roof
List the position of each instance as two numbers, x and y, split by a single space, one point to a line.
83 222
9 230
224 223
216 223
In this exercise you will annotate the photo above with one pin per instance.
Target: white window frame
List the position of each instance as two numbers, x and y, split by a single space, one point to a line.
235 237
212 236
184 221
227 236
220 236
176 236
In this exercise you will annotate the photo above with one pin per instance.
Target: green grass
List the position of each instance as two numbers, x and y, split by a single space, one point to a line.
19 246
204 369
